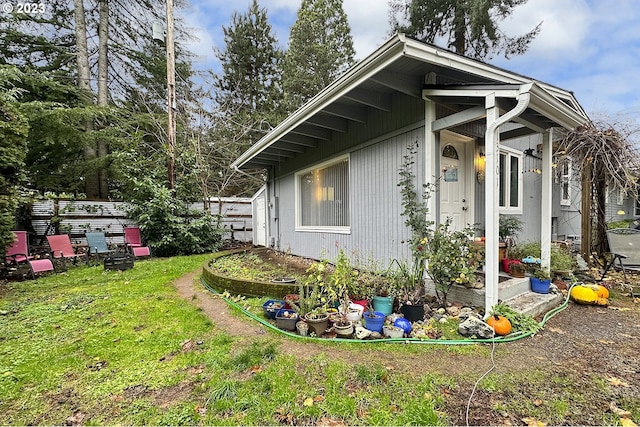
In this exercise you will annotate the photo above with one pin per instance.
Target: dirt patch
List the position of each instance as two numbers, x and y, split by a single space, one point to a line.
580 344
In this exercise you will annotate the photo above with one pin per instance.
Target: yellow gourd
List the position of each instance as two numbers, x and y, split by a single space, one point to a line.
602 301
583 295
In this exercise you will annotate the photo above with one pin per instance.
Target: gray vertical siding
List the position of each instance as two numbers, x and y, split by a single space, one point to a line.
377 228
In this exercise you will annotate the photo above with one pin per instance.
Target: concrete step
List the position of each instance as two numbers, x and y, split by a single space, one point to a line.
516 292
534 304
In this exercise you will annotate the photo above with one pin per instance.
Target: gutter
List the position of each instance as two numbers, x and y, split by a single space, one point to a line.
491 192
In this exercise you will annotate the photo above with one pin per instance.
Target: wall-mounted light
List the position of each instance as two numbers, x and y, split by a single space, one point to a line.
480 166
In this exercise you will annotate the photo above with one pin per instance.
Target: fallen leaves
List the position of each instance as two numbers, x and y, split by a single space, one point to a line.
625 416
617 382
533 422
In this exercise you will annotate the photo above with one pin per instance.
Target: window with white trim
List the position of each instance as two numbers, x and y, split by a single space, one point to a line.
565 182
322 195
510 184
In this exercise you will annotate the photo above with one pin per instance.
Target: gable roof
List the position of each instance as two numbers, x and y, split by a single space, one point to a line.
401 65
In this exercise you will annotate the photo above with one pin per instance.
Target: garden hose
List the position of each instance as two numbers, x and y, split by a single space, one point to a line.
507 338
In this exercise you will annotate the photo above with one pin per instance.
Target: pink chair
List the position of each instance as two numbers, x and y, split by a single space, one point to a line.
133 240
61 248
18 254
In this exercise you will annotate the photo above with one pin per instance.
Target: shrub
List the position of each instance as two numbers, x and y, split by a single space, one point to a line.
167 224
561 258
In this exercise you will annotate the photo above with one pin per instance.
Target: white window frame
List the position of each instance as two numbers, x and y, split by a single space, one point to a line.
622 195
565 179
298 198
506 208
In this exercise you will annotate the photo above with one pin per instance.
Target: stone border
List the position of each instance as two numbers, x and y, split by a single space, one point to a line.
251 288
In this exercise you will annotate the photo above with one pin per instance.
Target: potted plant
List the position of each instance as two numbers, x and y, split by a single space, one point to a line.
340 284
411 291
311 304
540 281
286 319
517 269
508 227
286 278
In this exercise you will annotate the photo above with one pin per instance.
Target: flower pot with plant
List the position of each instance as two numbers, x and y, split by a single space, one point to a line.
312 299
339 285
540 281
517 269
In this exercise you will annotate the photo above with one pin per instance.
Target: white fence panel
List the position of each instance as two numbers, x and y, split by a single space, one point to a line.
81 216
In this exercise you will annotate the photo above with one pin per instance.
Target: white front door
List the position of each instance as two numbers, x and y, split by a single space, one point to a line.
261 227
456 191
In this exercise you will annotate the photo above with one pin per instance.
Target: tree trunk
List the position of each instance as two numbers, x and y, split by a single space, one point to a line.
586 185
460 42
84 82
103 89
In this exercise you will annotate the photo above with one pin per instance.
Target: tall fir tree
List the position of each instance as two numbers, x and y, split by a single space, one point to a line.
471 27
320 50
248 97
248 91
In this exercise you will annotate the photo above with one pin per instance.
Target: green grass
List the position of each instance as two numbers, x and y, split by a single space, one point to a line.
107 348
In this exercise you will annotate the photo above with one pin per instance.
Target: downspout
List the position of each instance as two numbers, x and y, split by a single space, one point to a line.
492 155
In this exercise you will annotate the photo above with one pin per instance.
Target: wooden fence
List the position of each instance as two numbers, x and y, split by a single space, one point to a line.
77 217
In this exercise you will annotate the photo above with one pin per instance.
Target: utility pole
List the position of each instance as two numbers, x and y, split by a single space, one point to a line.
171 95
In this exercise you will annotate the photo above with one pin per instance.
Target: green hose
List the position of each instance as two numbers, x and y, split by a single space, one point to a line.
507 338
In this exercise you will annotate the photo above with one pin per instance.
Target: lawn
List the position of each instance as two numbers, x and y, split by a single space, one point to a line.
95 347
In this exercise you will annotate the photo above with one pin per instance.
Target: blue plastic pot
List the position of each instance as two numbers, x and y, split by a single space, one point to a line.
403 323
540 286
374 320
383 304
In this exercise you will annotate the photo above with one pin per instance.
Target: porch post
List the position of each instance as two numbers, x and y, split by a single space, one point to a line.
431 156
547 189
492 175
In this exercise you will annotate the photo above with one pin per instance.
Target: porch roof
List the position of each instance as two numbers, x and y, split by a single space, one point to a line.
414 69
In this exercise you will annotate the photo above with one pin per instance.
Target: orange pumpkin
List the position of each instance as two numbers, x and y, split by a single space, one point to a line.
500 324
602 292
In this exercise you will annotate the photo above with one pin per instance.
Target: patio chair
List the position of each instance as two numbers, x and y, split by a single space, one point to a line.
624 247
61 248
18 255
97 243
133 240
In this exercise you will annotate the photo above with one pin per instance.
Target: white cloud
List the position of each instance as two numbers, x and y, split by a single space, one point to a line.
591 47
369 24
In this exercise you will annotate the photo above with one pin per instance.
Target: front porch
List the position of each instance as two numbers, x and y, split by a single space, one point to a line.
514 291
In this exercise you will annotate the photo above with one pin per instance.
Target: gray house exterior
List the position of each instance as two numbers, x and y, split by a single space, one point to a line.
333 164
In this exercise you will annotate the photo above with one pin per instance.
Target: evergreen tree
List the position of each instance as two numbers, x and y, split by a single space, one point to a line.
13 137
470 27
248 91
320 50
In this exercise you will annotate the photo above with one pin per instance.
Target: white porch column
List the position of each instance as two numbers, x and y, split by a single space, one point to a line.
492 175
431 156
547 189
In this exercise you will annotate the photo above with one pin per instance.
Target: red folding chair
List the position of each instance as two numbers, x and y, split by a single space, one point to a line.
133 240
61 248
18 254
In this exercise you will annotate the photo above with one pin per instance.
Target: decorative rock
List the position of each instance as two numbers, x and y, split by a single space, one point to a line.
474 326
375 335
443 319
466 312
453 311
362 333
441 311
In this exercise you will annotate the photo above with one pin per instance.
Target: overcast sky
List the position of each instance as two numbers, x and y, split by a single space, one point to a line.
591 48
